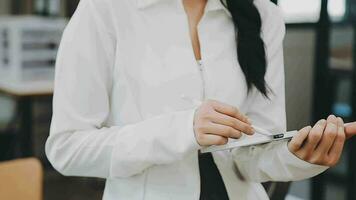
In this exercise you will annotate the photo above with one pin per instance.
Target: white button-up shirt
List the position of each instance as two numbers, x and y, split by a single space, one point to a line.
118 113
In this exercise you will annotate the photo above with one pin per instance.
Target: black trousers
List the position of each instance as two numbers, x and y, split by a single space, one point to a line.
212 185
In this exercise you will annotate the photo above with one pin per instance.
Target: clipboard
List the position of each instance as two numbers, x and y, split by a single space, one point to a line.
250 141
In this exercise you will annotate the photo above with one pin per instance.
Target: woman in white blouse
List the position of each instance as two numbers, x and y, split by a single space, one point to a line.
122 68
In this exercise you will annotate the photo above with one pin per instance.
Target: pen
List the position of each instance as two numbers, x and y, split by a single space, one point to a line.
258 130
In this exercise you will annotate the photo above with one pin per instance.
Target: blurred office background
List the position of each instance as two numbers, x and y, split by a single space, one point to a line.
319 60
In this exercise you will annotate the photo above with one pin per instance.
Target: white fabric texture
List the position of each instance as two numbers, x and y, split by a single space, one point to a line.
118 114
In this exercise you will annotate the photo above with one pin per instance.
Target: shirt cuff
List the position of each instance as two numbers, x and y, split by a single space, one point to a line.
301 166
194 145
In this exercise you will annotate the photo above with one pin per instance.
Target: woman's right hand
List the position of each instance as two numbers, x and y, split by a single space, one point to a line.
215 122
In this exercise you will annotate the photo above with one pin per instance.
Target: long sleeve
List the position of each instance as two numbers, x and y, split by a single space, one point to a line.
80 144
272 162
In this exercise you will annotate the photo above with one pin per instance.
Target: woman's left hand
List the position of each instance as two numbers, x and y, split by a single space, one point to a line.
321 144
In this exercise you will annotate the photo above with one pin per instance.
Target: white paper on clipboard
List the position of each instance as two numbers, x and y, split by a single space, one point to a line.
248 141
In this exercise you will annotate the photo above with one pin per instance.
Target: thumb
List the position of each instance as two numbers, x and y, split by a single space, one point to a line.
350 129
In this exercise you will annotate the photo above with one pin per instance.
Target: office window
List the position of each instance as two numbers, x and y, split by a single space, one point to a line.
307 11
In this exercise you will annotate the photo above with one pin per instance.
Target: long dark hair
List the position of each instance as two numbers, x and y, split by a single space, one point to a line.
250 46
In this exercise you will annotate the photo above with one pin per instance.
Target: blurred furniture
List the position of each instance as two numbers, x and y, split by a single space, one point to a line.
47 7
24 93
21 180
28 46
21 6
38 7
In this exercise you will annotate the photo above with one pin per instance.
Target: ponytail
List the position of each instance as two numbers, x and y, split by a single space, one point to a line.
250 47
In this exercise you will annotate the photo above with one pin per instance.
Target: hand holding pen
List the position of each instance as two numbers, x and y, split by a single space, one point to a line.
234 126
215 122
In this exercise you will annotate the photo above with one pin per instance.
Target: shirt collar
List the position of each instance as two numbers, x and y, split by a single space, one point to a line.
212 5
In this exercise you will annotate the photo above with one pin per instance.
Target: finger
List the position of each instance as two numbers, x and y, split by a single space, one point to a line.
222 130
338 145
315 136
350 129
329 135
229 110
209 139
232 122
297 141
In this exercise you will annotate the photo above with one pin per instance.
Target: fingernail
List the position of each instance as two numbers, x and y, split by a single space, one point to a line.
306 128
329 117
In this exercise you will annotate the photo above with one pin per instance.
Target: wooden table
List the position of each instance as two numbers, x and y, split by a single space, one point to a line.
24 93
